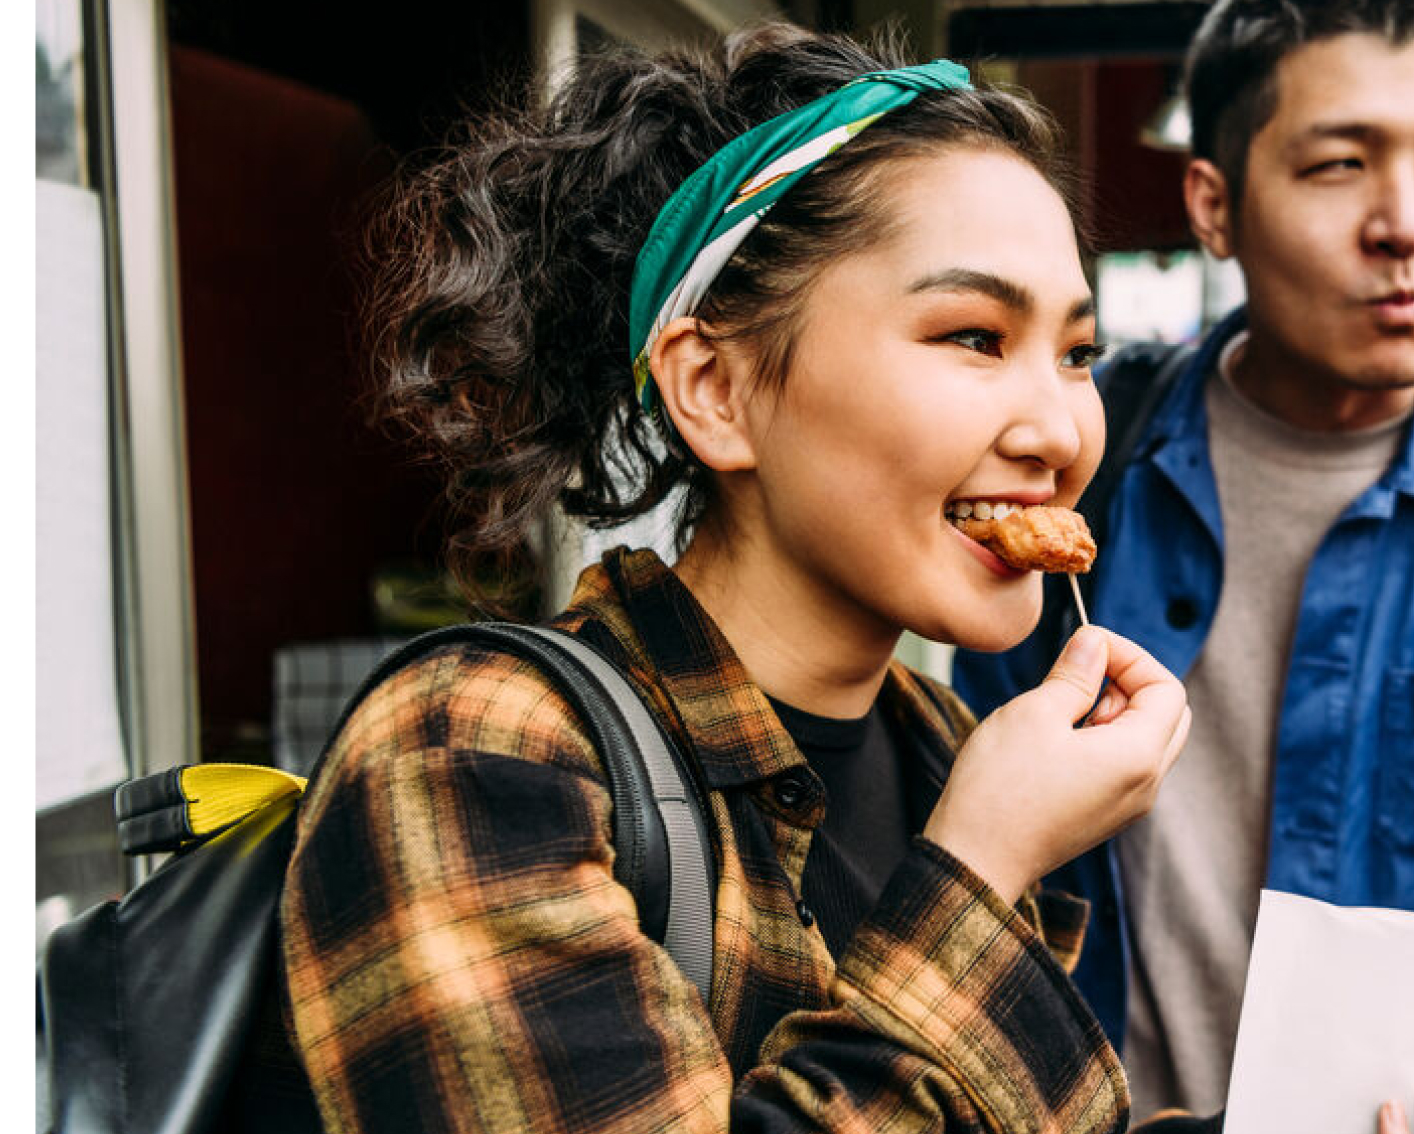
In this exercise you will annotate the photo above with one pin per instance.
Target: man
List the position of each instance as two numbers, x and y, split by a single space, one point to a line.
1261 539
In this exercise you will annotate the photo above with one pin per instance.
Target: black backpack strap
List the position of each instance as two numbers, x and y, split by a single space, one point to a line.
681 807
663 854
1132 386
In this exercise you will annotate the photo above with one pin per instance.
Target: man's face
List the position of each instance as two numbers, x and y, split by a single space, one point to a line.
1325 228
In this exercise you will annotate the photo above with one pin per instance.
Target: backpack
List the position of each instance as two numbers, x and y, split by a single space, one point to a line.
148 1003
1131 386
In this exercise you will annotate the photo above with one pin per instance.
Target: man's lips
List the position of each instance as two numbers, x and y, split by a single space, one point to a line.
1394 309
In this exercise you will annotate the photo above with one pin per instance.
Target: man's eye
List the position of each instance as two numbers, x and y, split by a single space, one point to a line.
974 338
1084 356
1334 165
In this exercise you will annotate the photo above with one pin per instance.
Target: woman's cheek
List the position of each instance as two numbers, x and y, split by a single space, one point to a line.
1090 419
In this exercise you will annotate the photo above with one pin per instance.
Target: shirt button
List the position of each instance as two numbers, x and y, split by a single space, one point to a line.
1181 613
790 791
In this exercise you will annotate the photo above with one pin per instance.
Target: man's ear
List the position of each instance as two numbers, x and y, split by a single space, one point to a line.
1211 209
703 387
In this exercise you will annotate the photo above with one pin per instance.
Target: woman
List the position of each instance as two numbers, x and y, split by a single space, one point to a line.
905 328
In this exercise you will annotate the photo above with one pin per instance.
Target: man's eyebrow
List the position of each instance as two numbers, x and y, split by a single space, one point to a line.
1348 131
1008 292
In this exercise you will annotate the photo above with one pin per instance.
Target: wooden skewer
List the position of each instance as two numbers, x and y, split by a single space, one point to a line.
1079 602
1084 621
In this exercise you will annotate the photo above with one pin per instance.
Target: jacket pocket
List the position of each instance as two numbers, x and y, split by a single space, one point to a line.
1395 804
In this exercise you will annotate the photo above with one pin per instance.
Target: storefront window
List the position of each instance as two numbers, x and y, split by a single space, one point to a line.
61 139
79 738
111 680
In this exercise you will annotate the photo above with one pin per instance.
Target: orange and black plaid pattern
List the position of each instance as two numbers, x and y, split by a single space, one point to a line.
458 956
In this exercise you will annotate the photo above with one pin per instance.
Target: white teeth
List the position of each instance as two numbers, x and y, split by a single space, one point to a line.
983 510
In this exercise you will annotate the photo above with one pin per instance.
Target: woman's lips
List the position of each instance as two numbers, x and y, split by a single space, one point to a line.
987 558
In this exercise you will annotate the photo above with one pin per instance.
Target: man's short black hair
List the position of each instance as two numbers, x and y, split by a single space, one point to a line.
1230 76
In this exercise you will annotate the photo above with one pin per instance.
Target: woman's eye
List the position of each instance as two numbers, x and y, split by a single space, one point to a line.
1084 356
974 338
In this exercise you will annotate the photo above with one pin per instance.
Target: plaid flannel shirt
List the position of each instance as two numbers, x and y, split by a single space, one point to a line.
459 957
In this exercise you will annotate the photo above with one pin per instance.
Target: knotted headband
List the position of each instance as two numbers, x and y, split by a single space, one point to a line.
715 209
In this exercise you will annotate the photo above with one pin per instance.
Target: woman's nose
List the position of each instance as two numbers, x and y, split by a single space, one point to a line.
1044 428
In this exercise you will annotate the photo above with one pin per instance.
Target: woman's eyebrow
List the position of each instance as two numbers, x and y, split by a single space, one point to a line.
1016 296
1081 310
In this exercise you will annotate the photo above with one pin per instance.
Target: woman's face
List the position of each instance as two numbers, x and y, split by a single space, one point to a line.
948 363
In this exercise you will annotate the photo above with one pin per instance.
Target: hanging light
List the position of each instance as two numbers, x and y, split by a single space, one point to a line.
1168 128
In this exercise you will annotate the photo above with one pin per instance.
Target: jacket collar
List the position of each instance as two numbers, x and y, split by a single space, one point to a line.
1400 477
674 648
1183 415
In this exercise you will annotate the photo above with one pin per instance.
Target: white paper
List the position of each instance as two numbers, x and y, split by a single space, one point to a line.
77 732
1327 1028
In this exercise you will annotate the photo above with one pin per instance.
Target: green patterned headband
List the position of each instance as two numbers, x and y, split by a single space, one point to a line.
712 212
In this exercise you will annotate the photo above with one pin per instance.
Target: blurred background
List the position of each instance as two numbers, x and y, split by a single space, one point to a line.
226 544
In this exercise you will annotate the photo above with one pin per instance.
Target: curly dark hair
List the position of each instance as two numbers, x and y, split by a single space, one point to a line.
506 266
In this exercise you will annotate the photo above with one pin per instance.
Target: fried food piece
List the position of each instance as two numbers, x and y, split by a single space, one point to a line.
1036 539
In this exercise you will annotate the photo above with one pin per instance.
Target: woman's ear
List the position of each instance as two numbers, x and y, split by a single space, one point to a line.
703 388
1210 206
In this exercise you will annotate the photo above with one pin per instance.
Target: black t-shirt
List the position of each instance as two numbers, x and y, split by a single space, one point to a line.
867 824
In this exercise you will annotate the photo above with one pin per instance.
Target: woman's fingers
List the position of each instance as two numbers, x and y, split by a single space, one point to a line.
1141 696
1392 1119
1132 672
1111 703
1178 739
1147 684
1131 667
1074 680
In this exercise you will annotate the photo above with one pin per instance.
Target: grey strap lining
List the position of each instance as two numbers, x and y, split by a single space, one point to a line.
689 933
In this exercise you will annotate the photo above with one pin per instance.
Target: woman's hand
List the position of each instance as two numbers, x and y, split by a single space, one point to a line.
1029 791
1393 1120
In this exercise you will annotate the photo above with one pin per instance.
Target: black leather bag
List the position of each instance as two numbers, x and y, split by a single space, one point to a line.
148 1001
149 1006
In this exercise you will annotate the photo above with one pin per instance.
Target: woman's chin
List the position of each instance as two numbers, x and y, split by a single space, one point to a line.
998 630
1004 625
994 643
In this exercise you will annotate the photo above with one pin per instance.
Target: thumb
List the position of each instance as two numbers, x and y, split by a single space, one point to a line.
1074 681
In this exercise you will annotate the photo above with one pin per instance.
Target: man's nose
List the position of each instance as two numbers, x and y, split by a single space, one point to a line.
1389 230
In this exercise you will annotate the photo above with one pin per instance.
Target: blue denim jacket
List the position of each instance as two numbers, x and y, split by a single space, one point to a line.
1342 811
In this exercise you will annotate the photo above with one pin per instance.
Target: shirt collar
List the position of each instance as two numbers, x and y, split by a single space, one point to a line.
675 647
